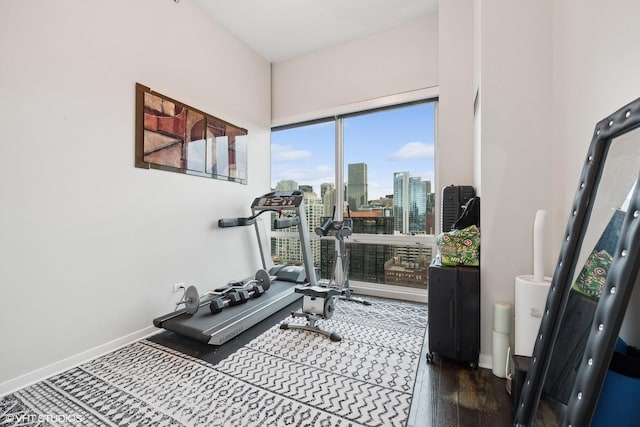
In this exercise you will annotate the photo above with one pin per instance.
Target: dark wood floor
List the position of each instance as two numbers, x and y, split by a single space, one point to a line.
450 394
446 394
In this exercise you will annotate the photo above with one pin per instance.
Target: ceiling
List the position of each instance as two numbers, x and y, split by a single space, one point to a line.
280 30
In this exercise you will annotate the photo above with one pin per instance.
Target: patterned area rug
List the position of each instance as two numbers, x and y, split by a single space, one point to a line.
282 378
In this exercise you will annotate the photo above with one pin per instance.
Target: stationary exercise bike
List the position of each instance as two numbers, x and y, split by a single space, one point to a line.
318 302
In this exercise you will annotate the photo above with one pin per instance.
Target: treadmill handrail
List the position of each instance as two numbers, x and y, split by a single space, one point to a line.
241 222
286 222
235 222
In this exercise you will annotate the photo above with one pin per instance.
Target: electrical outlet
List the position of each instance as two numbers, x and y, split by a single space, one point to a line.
178 287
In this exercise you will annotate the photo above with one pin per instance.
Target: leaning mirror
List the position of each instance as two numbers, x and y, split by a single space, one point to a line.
592 283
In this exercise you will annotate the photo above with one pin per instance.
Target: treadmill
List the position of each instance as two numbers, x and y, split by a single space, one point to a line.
216 329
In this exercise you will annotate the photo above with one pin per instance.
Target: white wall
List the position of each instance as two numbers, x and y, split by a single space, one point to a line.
455 154
393 62
477 73
548 72
516 100
596 72
90 246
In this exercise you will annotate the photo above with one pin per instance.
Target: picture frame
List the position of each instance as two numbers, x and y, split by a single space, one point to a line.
175 137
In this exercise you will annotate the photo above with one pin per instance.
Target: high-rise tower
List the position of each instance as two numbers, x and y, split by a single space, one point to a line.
357 194
410 203
287 185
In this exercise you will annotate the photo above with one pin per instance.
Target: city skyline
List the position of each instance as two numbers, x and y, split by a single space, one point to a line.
411 206
290 185
388 141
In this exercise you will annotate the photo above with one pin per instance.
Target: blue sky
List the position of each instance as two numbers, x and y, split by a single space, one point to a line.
388 141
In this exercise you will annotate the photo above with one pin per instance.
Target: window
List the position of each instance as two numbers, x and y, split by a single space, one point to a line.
378 168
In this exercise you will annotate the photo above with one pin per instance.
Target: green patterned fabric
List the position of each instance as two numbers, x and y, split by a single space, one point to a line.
460 247
593 275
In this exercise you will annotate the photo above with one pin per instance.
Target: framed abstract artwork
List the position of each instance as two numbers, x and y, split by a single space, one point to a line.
176 137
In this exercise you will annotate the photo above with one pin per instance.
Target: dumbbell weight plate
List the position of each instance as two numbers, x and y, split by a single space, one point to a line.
216 305
244 295
233 298
192 298
257 291
264 279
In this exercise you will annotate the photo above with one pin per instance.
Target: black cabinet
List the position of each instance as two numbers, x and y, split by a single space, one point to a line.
454 313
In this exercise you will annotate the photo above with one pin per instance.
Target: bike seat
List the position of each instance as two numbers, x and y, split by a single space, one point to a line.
317 291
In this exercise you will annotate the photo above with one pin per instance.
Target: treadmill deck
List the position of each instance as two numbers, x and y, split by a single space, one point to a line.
216 329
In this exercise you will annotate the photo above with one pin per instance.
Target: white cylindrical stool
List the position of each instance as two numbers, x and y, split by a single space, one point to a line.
501 335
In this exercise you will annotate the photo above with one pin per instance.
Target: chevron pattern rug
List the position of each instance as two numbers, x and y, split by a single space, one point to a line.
282 378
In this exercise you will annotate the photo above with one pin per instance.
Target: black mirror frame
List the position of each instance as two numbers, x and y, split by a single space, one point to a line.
610 310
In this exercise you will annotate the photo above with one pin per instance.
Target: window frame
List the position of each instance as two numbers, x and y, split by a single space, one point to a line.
338 115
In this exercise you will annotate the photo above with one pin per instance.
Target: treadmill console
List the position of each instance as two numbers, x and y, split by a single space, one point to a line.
279 199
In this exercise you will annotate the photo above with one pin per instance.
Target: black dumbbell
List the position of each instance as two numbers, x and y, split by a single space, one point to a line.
216 305
234 298
257 291
244 295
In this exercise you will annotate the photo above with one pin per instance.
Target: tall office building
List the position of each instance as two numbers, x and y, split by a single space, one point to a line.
306 189
324 187
357 194
286 249
417 205
286 185
400 193
328 196
411 202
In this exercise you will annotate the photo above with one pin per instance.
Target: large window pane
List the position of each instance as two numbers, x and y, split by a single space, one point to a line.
303 158
389 167
389 171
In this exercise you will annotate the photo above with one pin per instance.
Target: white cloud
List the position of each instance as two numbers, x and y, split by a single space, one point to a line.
285 153
412 151
317 172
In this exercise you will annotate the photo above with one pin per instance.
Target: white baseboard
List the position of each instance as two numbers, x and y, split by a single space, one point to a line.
485 361
27 379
